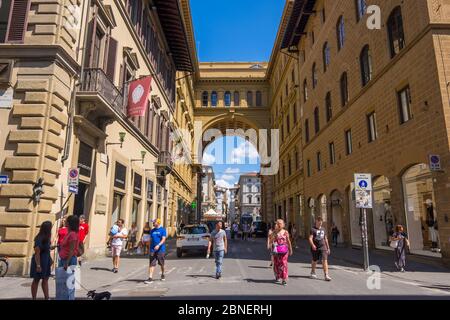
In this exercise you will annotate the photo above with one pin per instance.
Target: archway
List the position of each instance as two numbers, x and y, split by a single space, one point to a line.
355 218
420 208
337 213
383 219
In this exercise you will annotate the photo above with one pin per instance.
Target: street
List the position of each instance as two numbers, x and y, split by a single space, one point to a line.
247 276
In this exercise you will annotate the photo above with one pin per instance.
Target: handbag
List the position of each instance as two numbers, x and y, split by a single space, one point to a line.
280 248
394 244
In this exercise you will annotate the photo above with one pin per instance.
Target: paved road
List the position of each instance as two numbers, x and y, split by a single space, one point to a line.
246 275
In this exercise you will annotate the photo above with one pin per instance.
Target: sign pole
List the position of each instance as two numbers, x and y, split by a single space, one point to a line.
365 240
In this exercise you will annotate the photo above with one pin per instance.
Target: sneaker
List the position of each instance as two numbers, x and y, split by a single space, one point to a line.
279 281
113 270
116 270
402 270
327 278
217 276
284 283
396 265
163 278
148 281
313 276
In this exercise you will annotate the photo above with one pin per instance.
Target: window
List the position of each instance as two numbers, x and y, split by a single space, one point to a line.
332 153
13 30
314 76
372 127
395 31
286 89
97 48
227 99
250 99
328 107
404 101
214 99
306 130
348 142
319 161
258 99
289 167
313 38
249 187
323 15
344 89
340 31
361 8
205 99
308 168
305 90
249 199
366 66
316 120
326 56
237 99
293 76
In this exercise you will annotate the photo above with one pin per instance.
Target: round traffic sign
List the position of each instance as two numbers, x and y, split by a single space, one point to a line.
73 173
363 184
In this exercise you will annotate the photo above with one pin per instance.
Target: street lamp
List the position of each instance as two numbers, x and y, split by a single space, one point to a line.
143 153
121 140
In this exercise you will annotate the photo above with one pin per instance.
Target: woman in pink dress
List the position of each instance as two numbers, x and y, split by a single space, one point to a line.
282 249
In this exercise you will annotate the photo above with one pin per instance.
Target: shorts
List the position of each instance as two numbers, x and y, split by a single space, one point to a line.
157 257
116 250
146 238
319 255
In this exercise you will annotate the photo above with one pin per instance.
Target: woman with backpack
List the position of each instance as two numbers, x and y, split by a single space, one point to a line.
41 262
281 249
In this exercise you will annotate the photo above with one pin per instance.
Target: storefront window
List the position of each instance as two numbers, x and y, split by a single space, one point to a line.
117 207
420 208
134 213
383 219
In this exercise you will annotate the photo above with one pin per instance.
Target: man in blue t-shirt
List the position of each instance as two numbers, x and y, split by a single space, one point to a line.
158 237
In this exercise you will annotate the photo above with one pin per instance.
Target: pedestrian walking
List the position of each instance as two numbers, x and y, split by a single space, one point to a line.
219 244
269 243
158 236
335 235
282 249
400 242
117 244
68 254
132 239
146 238
82 234
41 262
320 248
234 230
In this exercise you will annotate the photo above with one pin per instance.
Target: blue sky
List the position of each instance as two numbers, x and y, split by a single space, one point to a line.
235 30
230 157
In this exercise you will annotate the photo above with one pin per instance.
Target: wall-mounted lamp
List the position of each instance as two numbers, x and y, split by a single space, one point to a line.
143 153
38 190
121 140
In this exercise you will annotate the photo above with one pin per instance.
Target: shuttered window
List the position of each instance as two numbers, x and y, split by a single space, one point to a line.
112 57
16 20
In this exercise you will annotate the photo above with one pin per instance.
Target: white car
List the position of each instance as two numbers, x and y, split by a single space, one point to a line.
193 238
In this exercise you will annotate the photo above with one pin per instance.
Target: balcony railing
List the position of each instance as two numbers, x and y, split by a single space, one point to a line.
96 81
165 158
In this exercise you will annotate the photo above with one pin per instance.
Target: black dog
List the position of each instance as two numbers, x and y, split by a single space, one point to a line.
99 296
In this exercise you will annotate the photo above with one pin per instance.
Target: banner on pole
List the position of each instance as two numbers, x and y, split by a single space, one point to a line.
138 97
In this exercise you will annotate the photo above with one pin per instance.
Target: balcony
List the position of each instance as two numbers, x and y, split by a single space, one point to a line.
164 165
97 88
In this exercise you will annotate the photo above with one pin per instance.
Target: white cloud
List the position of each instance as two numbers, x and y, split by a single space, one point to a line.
228 177
208 159
224 184
245 151
232 170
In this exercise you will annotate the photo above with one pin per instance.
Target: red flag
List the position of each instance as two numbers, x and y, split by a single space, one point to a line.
138 96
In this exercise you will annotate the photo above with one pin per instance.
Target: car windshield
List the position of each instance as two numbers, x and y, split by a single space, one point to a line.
194 230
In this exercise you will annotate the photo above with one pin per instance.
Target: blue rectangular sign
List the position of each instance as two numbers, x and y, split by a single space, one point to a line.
73 189
4 179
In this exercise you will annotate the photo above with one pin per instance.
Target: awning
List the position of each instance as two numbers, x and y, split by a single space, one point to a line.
170 16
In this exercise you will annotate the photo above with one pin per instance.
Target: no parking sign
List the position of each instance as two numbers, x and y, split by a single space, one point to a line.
73 180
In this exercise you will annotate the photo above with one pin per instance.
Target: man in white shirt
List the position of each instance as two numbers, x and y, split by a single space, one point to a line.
117 244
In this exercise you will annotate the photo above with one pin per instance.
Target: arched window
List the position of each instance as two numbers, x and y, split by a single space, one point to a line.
328 107
227 99
249 199
326 56
214 99
340 31
314 75
205 99
344 89
361 7
258 99
237 99
316 120
305 90
366 65
395 31
250 98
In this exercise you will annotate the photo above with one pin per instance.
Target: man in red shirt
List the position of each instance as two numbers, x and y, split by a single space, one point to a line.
83 232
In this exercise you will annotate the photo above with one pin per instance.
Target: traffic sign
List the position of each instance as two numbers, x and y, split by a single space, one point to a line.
363 190
435 162
73 180
4 179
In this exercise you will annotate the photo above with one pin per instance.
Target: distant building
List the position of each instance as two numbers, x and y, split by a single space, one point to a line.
249 194
208 190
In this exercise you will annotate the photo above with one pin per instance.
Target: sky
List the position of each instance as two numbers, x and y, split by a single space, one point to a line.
236 30
230 157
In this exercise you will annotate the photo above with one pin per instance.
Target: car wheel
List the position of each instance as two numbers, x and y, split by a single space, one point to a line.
179 253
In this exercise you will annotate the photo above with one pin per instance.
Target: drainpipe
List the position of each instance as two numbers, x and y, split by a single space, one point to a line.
75 87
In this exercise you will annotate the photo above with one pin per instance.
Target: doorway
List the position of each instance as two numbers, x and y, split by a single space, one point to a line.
80 200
